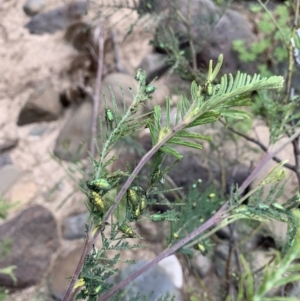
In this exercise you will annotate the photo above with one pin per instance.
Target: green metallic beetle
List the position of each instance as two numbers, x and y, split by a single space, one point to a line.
143 203
277 207
175 235
263 207
96 200
150 89
98 185
157 218
127 230
137 198
136 213
133 196
109 115
200 248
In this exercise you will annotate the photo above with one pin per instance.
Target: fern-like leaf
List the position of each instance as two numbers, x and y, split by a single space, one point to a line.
181 142
170 151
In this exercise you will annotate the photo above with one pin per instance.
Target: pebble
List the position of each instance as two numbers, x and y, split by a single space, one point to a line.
34 240
33 7
73 227
173 268
8 176
42 105
155 281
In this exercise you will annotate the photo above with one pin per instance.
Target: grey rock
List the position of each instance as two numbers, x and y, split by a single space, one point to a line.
237 175
173 268
71 145
293 290
8 176
154 65
155 281
202 264
150 231
120 85
192 169
232 26
38 130
7 144
33 7
220 259
63 269
5 160
42 105
73 140
34 239
212 30
57 19
73 227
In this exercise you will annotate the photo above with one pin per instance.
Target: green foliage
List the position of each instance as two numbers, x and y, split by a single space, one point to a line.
280 117
280 273
4 207
209 102
198 207
275 33
3 293
5 246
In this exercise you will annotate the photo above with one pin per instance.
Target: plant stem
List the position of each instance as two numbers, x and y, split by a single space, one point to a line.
96 98
68 293
275 22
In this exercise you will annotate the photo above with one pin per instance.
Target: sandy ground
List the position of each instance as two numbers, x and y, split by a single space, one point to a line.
25 61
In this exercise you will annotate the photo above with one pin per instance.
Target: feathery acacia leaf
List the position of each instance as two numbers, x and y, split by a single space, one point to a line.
236 114
187 134
168 150
207 117
185 143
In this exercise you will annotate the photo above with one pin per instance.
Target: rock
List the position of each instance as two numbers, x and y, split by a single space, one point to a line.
5 160
155 281
34 239
120 84
33 7
158 98
22 192
236 176
73 227
220 259
232 26
64 268
7 143
150 231
42 105
173 268
8 176
73 140
192 169
176 84
38 130
154 65
202 264
293 290
57 19
260 259
71 145
212 30
82 36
